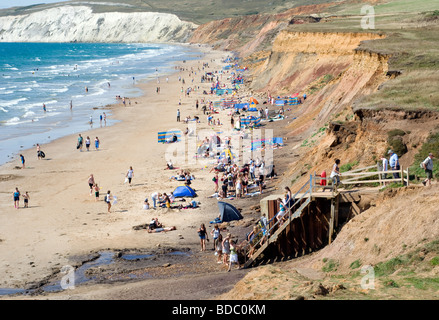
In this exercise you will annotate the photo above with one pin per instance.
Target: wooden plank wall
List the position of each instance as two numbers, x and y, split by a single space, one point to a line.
305 234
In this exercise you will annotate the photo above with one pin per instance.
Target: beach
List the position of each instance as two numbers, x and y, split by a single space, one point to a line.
64 220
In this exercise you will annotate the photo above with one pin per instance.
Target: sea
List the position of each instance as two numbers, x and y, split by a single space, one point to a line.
73 82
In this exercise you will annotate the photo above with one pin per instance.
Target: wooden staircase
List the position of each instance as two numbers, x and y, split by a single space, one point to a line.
273 237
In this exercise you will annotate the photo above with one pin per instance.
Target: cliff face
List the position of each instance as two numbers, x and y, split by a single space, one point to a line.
79 23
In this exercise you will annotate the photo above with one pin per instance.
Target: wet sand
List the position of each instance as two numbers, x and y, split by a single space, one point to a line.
64 221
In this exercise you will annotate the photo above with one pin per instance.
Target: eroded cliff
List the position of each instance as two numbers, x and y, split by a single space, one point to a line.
81 24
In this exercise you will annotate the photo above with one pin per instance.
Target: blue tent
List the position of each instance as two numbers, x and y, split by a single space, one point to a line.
184 191
228 212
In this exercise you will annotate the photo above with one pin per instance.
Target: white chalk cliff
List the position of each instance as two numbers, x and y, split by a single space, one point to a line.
79 23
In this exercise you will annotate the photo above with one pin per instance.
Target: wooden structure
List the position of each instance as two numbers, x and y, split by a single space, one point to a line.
310 223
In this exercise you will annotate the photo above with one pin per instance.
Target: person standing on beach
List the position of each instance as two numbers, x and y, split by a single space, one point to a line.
178 115
155 196
202 233
427 164
38 151
130 175
97 143
105 119
26 198
233 255
80 141
91 183
16 198
215 233
108 200
87 143
22 161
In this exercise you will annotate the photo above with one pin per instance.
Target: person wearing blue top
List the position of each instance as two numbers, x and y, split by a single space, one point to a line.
394 163
16 198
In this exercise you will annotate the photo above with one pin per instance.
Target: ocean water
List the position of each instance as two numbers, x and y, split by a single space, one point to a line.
57 74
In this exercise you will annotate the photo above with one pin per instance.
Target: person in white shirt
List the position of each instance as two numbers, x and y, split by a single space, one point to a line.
155 196
427 164
130 175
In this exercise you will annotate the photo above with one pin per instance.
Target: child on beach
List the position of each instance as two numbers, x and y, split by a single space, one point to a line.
96 189
97 143
215 233
26 199
219 249
145 204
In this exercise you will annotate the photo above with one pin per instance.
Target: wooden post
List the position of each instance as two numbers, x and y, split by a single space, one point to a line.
402 176
337 200
379 174
408 176
331 220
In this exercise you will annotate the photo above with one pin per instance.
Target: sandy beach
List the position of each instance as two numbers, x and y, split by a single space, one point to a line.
63 220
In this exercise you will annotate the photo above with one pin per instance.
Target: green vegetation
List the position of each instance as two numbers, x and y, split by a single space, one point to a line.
320 83
396 142
330 266
195 11
430 145
348 166
355 265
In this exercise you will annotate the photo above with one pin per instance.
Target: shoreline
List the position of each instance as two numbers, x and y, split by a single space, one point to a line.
61 218
60 121
63 221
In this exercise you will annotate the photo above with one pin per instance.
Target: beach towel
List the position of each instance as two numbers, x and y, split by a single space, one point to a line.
164 136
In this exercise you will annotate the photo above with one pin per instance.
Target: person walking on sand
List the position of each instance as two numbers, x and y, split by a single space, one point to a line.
91 183
96 189
97 142
22 161
130 175
80 141
202 233
427 164
16 198
178 115
108 200
87 143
